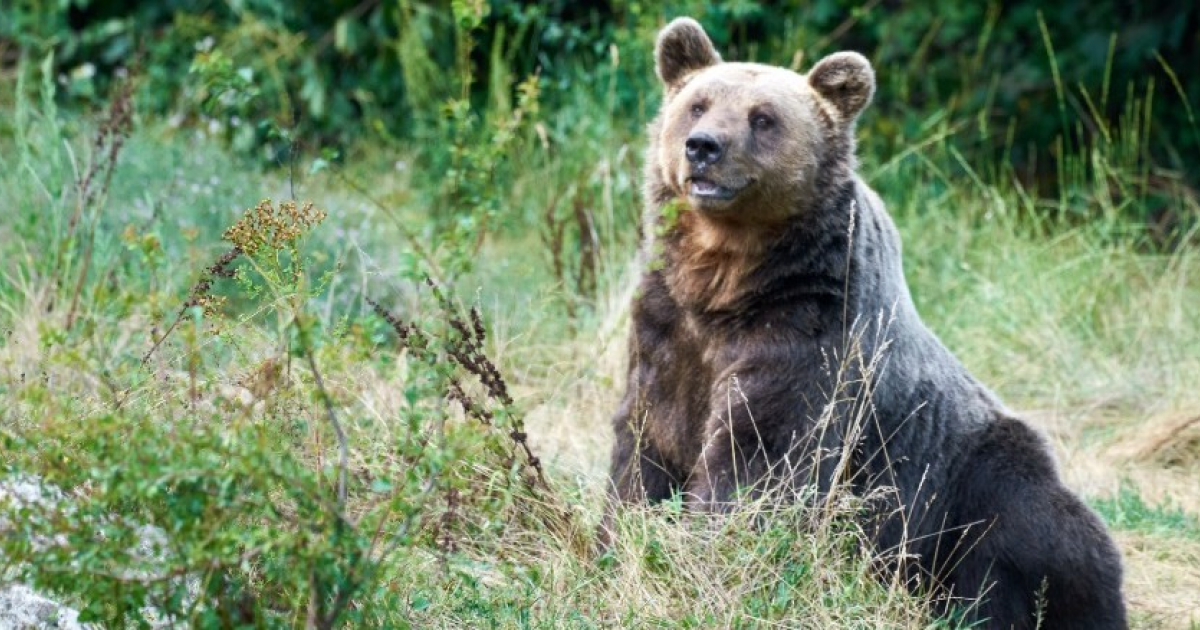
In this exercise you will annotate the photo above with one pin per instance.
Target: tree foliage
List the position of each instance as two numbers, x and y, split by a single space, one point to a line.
348 69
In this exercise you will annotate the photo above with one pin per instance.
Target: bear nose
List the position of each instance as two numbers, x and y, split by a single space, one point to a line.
703 149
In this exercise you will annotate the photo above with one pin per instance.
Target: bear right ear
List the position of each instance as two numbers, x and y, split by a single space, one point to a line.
683 47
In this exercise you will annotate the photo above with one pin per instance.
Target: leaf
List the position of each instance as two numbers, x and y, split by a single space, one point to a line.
343 40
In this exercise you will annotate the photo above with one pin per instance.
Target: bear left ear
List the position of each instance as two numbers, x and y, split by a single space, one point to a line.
682 47
846 81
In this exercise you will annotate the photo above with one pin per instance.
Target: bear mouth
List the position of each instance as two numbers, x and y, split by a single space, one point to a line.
706 189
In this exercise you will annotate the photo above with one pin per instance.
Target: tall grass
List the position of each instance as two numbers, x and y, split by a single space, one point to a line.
309 461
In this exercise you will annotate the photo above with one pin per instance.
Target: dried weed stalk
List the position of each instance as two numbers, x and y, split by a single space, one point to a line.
554 232
201 295
465 350
276 228
110 137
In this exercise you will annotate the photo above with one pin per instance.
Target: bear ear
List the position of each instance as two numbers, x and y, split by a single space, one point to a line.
682 47
846 81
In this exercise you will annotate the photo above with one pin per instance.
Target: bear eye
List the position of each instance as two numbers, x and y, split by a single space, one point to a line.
761 121
697 110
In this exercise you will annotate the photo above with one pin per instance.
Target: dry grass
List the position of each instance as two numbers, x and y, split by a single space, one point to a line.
1162 579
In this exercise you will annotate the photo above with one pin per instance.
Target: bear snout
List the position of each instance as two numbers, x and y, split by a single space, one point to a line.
703 149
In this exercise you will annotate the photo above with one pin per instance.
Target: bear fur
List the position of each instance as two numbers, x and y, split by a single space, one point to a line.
774 342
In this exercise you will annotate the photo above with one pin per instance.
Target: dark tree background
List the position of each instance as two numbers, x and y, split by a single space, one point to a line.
1025 79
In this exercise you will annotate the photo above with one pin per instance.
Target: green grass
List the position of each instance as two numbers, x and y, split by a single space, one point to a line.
1128 510
225 439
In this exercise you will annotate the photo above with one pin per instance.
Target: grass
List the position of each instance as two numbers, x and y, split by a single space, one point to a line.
296 454
1129 510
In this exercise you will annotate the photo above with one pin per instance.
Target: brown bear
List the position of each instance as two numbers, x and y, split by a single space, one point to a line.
774 342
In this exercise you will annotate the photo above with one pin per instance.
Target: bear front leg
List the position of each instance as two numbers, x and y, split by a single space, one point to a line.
727 463
737 450
638 472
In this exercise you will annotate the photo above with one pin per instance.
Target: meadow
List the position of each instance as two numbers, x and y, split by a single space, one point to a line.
262 380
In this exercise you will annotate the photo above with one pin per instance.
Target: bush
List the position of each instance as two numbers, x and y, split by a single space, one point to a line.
251 504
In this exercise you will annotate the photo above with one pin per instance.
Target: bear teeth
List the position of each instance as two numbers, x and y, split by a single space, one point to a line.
704 187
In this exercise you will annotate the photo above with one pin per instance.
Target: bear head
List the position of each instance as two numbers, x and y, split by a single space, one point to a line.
747 142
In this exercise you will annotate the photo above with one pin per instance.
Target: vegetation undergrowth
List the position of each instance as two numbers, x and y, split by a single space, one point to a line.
372 386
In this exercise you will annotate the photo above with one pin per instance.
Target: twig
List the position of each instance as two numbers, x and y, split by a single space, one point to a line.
198 294
1163 440
358 11
846 25
177 572
343 451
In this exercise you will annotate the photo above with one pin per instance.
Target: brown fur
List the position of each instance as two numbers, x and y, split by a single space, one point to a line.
713 260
